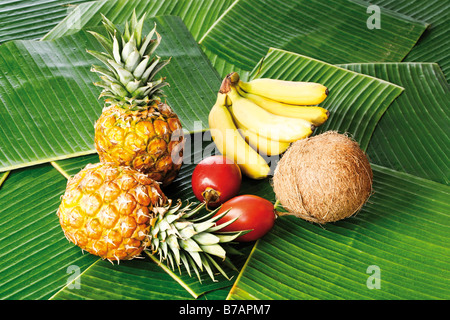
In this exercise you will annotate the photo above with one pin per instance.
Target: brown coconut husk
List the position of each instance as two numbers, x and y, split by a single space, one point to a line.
324 178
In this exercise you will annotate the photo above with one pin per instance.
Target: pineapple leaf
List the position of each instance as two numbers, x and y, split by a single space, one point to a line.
157 68
221 226
118 90
163 251
219 216
219 268
109 73
147 41
133 60
187 232
125 76
185 262
197 259
194 264
170 263
108 81
116 48
155 244
172 242
106 43
208 268
189 245
109 26
215 250
138 26
164 225
203 226
180 225
154 89
132 86
140 92
129 62
203 217
206 239
128 48
126 34
153 45
103 57
141 67
230 236
146 74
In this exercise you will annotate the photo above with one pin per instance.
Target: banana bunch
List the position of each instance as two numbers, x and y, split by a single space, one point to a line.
263 117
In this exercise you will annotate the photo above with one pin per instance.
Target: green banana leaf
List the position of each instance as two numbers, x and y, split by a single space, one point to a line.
198 15
402 232
32 19
404 226
418 119
49 103
290 25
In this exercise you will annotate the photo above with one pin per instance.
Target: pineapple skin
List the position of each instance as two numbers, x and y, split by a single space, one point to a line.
149 140
108 210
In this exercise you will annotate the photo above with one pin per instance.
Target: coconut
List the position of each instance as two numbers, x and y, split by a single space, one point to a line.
324 178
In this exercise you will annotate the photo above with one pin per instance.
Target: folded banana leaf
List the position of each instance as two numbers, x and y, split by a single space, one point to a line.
198 15
32 19
334 31
433 44
413 134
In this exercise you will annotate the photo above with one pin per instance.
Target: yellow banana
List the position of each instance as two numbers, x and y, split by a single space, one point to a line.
231 144
262 144
314 114
266 124
291 92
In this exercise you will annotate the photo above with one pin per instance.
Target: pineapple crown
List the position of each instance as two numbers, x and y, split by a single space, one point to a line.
190 237
129 77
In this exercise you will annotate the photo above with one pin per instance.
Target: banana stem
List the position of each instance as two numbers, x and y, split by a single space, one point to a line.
234 78
230 80
225 87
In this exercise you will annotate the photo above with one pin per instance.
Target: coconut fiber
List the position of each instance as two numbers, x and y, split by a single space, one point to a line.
324 178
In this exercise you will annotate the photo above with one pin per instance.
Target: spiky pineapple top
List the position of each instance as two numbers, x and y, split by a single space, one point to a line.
129 79
190 236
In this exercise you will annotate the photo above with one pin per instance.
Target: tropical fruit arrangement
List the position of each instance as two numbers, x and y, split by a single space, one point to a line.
117 209
321 179
174 150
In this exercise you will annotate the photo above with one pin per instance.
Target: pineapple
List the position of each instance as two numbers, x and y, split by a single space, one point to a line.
116 213
136 128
